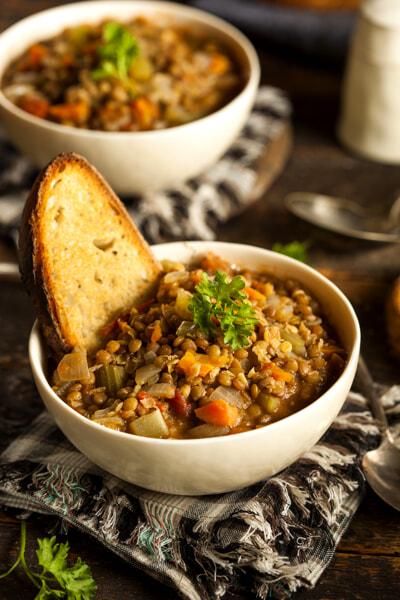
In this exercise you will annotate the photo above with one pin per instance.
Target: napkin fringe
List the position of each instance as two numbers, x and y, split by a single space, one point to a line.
271 539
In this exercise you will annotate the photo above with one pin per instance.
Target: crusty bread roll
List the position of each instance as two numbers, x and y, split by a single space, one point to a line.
81 257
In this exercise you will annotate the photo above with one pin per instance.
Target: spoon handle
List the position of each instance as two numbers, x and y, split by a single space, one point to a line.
367 388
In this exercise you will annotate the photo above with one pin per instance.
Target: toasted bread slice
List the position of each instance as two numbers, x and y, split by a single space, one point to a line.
81 257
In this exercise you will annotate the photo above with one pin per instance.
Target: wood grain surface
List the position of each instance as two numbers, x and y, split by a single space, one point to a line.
367 562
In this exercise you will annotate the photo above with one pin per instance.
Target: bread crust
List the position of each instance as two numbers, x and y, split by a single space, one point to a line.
31 249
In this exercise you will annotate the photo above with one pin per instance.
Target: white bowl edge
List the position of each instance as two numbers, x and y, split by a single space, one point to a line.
293 423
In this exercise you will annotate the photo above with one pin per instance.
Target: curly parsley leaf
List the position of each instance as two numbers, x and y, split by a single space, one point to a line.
77 580
56 579
117 52
222 304
297 250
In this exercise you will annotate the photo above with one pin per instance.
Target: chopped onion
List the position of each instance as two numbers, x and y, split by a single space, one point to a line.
14 92
186 329
162 390
108 411
106 421
284 313
73 366
182 302
298 345
176 277
273 301
230 395
149 356
245 364
207 430
144 374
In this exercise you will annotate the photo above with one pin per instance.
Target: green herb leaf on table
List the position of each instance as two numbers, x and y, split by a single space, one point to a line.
117 52
297 250
57 579
222 304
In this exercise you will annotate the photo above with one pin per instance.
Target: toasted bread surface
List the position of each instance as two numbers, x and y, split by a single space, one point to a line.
81 257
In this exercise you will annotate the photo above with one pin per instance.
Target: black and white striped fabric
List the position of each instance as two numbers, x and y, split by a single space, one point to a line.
192 211
270 539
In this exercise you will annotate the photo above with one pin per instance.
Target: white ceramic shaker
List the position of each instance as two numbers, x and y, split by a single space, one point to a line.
369 123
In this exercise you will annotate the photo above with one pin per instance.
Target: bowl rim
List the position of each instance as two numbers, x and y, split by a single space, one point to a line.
36 338
170 8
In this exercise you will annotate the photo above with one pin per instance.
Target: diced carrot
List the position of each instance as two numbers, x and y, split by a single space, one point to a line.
143 394
76 112
156 334
205 368
144 111
196 276
36 54
118 323
189 359
219 64
277 373
68 60
212 263
141 308
218 412
255 295
90 48
108 328
35 106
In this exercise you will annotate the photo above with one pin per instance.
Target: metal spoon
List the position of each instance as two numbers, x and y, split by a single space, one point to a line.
381 466
346 217
9 271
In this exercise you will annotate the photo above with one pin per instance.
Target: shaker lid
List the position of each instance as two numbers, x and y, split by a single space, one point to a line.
377 36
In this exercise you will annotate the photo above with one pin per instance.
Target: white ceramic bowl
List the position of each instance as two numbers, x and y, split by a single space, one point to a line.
221 464
132 162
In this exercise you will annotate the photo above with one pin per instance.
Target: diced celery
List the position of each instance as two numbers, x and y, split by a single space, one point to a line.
78 35
207 430
111 377
141 68
150 425
268 403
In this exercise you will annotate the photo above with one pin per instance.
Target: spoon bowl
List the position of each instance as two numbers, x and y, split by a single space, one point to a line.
381 466
345 217
382 470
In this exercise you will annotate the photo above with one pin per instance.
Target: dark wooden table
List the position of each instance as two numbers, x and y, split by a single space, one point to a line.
367 562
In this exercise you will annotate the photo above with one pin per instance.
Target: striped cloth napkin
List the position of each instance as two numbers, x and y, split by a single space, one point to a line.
272 538
193 210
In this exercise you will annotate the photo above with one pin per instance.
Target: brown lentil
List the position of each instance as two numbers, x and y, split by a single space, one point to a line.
134 345
113 346
283 369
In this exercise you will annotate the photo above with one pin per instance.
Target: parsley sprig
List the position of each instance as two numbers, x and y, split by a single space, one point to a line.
297 250
222 304
117 52
56 579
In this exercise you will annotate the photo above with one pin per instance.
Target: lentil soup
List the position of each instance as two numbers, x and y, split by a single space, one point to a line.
219 350
114 76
